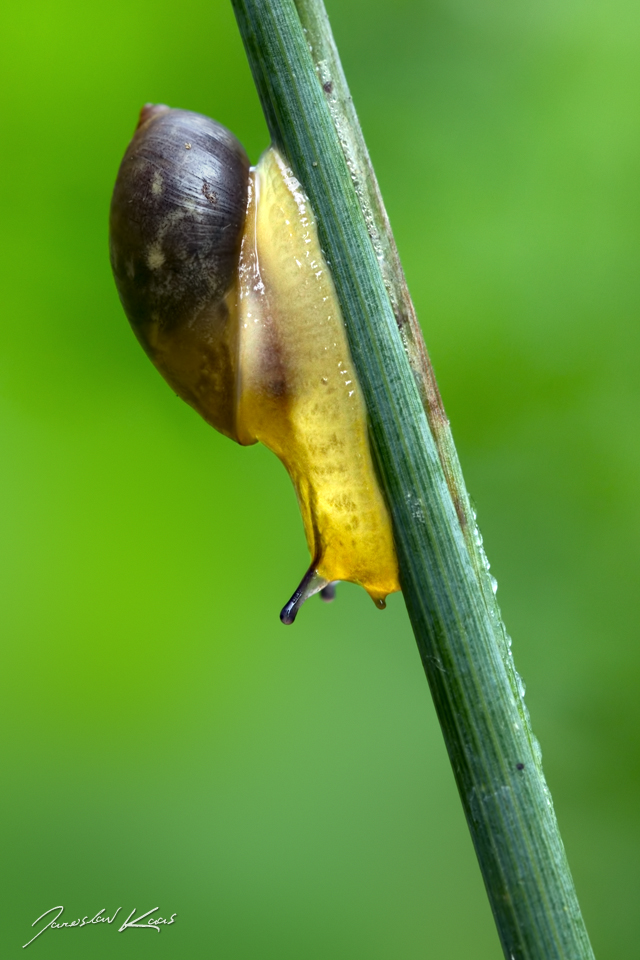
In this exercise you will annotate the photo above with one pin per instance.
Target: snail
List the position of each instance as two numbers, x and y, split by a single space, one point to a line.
220 272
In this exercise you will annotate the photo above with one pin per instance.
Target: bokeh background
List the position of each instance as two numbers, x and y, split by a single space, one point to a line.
166 742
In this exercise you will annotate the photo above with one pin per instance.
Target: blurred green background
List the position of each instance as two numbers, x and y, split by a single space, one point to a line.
166 741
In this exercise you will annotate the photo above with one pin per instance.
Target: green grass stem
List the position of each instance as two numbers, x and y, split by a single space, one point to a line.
449 596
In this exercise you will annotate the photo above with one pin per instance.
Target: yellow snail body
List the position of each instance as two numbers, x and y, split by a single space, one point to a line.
220 272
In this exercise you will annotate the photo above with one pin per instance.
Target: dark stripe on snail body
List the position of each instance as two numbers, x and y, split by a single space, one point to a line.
220 272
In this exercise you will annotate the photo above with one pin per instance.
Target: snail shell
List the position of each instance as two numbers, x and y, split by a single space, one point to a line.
177 216
220 272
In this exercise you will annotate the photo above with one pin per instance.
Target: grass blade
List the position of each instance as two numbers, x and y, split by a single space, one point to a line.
464 649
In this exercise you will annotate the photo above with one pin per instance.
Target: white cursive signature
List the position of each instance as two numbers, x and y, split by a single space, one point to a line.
153 923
